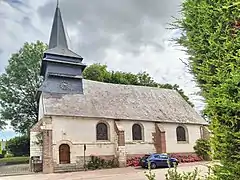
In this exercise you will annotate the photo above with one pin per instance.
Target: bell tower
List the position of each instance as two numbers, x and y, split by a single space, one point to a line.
61 68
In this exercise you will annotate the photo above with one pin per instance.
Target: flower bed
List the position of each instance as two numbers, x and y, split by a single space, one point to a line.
182 158
134 161
185 158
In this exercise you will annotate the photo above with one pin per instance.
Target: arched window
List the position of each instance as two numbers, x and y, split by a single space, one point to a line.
137 132
181 134
102 131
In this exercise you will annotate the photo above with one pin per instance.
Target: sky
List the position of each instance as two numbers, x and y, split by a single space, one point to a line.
126 35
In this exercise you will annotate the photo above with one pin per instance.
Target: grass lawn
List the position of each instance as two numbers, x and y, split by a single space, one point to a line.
14 160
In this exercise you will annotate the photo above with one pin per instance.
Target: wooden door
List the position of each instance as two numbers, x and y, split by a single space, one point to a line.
64 154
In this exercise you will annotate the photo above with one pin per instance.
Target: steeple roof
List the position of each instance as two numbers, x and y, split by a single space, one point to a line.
58 36
58 42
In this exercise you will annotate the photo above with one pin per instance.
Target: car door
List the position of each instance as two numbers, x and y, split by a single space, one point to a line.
163 160
157 160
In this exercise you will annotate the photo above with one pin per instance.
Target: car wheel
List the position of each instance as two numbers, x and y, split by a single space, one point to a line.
153 166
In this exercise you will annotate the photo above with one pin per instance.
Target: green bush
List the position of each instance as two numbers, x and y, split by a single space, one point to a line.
99 163
8 155
173 174
19 146
14 160
203 149
150 175
4 152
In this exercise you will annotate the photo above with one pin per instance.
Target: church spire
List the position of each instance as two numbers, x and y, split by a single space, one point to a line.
58 36
61 68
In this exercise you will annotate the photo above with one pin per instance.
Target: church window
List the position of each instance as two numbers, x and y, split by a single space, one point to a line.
102 131
181 134
137 133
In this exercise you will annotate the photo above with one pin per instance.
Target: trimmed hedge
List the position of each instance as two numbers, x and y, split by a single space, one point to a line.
14 160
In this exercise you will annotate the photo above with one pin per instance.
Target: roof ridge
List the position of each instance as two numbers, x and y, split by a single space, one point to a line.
130 85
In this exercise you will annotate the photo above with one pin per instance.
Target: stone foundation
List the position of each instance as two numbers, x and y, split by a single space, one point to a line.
79 165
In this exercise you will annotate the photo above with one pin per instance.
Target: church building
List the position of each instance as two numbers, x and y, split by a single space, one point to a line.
109 120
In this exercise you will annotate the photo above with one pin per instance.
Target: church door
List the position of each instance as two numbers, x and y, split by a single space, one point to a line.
64 154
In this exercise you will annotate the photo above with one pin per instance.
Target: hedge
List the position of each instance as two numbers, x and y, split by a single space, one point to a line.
14 160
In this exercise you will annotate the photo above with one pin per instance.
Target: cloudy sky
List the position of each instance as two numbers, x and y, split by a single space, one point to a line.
127 35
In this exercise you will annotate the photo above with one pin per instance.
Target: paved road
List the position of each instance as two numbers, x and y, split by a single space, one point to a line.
14 169
129 173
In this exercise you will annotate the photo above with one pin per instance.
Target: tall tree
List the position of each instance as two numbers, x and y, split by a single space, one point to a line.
18 87
211 35
98 72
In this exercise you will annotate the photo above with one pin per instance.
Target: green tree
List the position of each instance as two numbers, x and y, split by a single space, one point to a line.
211 37
19 146
18 87
2 124
98 72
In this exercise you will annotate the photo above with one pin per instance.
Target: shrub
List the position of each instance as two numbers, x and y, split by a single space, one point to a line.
8 155
14 160
4 152
202 148
19 146
182 158
99 163
173 174
150 175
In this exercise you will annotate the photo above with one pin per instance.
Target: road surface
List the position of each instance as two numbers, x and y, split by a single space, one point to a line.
129 173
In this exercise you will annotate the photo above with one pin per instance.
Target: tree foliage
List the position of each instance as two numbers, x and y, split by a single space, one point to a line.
211 35
18 87
19 146
98 72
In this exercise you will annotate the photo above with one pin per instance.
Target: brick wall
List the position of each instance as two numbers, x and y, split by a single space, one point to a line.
47 151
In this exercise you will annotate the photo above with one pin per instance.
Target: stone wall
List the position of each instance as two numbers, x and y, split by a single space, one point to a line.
159 137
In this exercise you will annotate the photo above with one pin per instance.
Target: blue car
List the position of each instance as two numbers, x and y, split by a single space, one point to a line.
158 160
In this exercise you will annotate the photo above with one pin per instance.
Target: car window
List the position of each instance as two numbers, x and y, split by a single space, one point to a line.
164 157
156 156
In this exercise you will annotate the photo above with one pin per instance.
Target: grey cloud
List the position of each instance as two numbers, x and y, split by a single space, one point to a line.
17 4
124 25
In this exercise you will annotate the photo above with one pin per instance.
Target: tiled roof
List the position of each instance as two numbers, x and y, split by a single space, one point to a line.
126 102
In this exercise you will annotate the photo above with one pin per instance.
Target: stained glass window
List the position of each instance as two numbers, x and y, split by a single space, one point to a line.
102 131
181 134
137 132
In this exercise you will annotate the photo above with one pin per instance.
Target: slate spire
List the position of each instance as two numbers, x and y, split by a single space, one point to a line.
58 36
61 68
58 42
